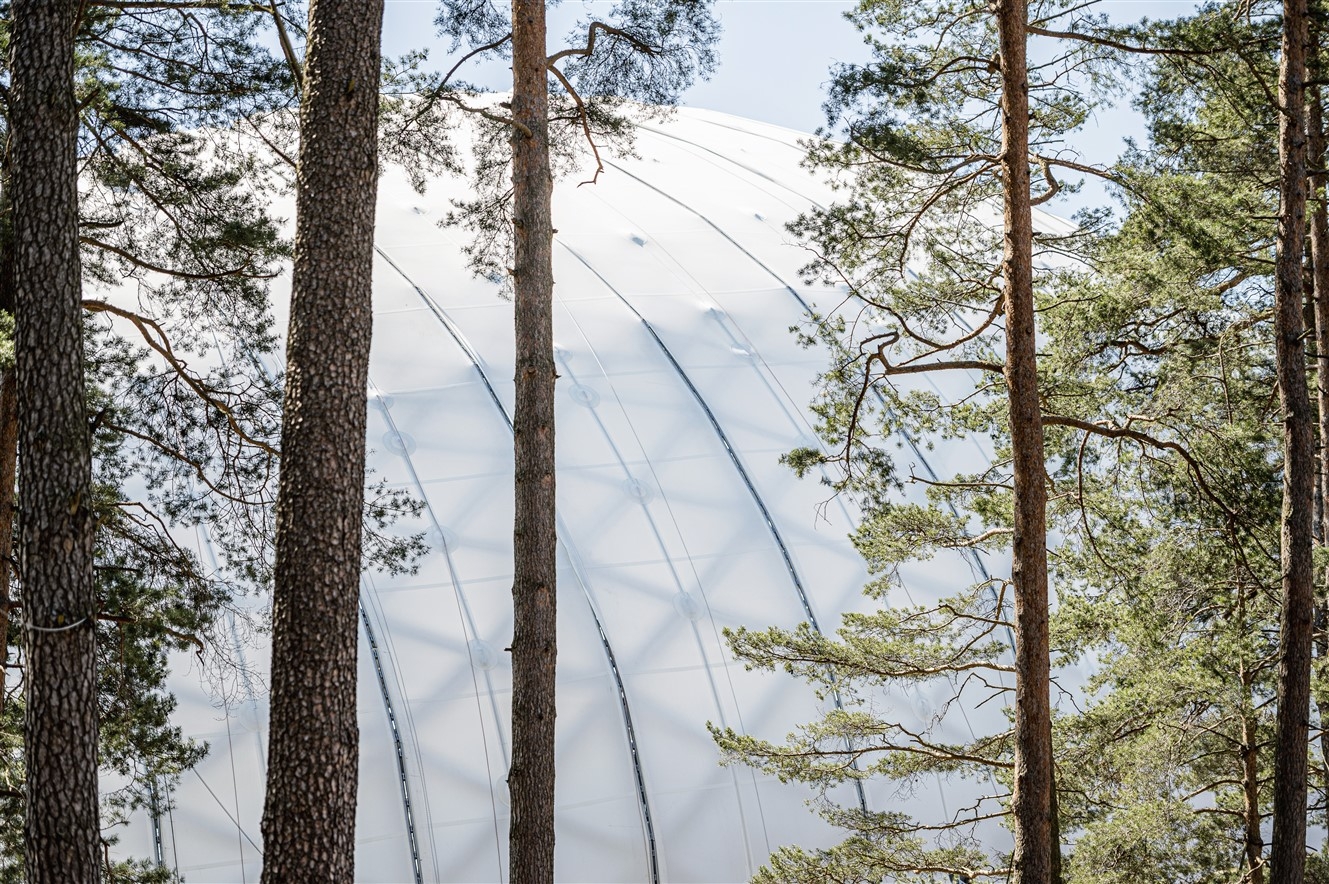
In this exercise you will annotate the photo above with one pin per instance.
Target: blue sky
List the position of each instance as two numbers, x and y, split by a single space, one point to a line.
775 58
775 54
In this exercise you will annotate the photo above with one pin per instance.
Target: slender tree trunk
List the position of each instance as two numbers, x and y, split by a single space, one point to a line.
1288 854
1250 786
534 587
61 835
1320 276
309 817
1036 855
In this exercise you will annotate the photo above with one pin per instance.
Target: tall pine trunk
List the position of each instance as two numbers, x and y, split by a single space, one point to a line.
1319 228
61 836
309 817
535 541
1036 859
1288 853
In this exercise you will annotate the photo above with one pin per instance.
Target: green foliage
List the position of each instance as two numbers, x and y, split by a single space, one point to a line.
1163 448
617 69
182 111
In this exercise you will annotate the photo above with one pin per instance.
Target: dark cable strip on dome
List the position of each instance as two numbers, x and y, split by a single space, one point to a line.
416 867
738 466
638 775
724 440
972 555
158 854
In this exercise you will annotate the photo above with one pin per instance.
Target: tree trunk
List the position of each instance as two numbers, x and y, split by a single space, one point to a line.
1250 785
309 817
1320 276
1036 855
61 835
1288 854
535 540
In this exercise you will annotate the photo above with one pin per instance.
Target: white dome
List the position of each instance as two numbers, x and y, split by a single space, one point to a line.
680 388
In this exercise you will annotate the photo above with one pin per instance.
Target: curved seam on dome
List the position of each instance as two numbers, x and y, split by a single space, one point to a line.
744 166
734 459
158 853
678 585
717 124
616 674
468 629
720 434
416 866
970 554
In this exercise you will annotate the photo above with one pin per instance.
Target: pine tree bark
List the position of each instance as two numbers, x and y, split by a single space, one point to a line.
1319 228
535 539
61 835
309 817
1036 858
1288 844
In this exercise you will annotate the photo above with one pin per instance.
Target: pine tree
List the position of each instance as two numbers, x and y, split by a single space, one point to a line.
643 50
309 814
1288 856
61 840
535 532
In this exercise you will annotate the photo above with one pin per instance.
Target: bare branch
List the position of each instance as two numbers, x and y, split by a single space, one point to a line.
156 338
585 120
595 29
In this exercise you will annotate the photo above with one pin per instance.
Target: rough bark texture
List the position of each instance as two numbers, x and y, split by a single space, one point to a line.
534 645
1320 281
1036 857
1288 853
61 836
309 817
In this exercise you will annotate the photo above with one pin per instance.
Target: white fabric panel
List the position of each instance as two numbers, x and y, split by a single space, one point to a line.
664 540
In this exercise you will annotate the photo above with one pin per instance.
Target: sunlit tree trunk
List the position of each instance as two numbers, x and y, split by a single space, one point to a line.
1036 857
1288 853
1319 228
534 645
61 835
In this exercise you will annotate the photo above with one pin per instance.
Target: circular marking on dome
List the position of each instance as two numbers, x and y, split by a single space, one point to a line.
639 490
584 395
686 604
484 655
441 539
384 400
399 443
